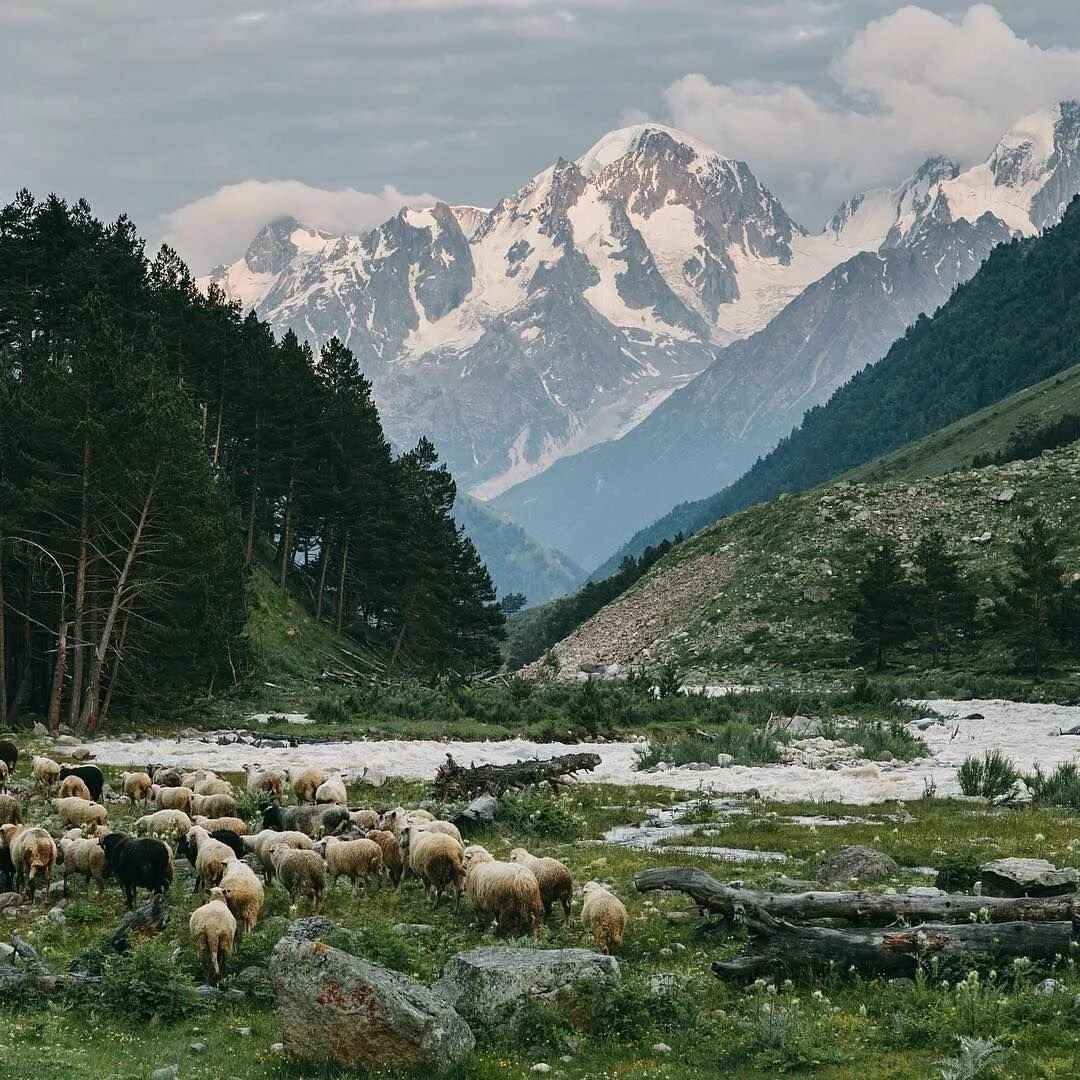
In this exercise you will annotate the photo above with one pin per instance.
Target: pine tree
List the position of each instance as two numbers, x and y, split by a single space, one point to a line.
881 603
944 602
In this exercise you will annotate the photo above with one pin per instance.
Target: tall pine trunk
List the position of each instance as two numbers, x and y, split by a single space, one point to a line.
324 560
57 693
3 643
341 583
286 532
79 647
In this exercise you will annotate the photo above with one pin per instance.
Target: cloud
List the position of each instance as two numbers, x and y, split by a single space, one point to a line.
907 86
219 226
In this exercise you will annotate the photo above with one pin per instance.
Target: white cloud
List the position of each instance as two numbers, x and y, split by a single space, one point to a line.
218 227
908 86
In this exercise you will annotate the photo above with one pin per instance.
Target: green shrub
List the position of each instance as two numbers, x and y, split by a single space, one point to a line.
971 1060
146 982
1059 788
876 736
993 776
747 744
544 816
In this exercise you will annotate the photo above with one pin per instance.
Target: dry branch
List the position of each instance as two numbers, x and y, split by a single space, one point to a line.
454 780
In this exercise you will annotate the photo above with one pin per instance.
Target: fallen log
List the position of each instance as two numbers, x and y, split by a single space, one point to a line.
856 906
458 781
779 947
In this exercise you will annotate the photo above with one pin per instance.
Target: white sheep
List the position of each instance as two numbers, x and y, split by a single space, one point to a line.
359 860
80 812
46 772
603 913
305 782
332 790
264 842
213 928
74 787
164 823
189 780
243 893
364 819
301 873
213 785
553 877
136 786
436 859
83 855
173 798
399 819
233 824
213 805
505 890
90 832
262 781
212 857
33 854
4 771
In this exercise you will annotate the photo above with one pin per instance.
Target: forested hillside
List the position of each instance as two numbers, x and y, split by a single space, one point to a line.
1013 324
155 445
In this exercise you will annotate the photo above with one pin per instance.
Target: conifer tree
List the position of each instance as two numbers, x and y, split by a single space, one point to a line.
881 603
944 602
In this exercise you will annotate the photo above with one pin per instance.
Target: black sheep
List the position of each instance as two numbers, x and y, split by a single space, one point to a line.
7 869
143 862
9 753
90 775
310 820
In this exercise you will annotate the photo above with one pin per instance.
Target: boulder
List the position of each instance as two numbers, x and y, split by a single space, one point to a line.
1027 877
311 928
342 1009
856 862
489 983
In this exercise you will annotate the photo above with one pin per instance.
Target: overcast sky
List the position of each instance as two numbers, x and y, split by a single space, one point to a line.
203 119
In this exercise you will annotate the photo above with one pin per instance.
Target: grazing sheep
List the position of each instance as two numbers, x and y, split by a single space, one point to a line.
313 820
46 772
90 775
9 754
212 857
90 832
138 863
305 782
214 785
553 877
399 819
80 812
391 853
3 775
446 827
436 859
213 805
332 791
269 782
603 913
165 775
213 929
74 786
364 819
164 823
85 856
173 798
502 889
301 873
190 779
358 860
32 852
233 824
136 786
9 810
244 894
7 869
264 842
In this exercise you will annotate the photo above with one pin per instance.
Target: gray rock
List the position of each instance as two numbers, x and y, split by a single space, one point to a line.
207 991
902 982
311 928
724 760
858 862
250 975
489 983
414 929
1005 496
244 1031
235 994
198 1048
667 984
9 900
661 1048
277 1048
7 954
340 1008
57 917
81 753
1027 877
40 730
169 1072
884 755
1048 986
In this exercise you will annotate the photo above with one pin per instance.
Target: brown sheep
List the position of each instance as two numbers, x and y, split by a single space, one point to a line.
301 873
391 853
305 782
244 894
213 805
74 787
436 859
553 877
80 812
173 798
136 786
85 856
46 772
603 913
502 889
33 855
359 860
9 810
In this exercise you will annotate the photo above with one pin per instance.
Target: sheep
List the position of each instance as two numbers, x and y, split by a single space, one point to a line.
90 775
83 855
305 782
9 810
391 853
214 785
9 754
211 857
144 862
75 811
301 873
7 869
262 781
165 775
364 819
358 860
213 929
3 774
46 772
504 889
446 827
399 819
233 824
190 779
90 832
213 805
603 913
32 852
164 823
313 820
136 786
436 859
332 791
172 798
74 786
244 894
553 877
264 842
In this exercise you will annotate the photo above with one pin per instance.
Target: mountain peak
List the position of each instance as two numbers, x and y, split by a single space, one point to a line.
628 140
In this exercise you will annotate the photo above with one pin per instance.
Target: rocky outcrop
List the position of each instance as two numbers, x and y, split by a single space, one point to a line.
857 863
1028 877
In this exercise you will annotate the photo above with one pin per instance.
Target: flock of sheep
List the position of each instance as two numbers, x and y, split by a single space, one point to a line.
300 847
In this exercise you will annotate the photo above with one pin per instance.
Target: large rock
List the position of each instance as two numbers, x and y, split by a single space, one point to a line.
1027 877
858 863
488 984
340 1008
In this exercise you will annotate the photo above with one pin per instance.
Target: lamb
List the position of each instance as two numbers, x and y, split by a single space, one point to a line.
301 873
136 786
399 819
358 860
74 786
603 913
213 805
504 889
214 785
553 877
9 754
213 928
138 863
233 824
364 819
305 782
244 894
164 823
313 820
46 772
212 857
9 810
33 856
90 775
264 842
391 853
332 791
262 781
85 856
436 859
80 812
172 798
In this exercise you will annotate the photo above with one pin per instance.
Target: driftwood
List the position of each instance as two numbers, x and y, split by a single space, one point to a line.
778 947
856 906
454 780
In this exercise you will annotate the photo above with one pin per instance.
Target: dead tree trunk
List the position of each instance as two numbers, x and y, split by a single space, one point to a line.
454 780
340 614
859 906
324 563
57 694
78 648
3 643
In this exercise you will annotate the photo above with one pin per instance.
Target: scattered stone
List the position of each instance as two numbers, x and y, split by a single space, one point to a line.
661 1048
974 716
414 929
902 982
236 994
724 760
169 1072
925 890
1005 496
815 594
311 928
678 916
198 1048
858 862
1027 877
927 722
9 900
7 954
277 1048
40 730
541 1067
667 984
81 754
884 755
244 1031
57 916
205 990
1048 986
250 975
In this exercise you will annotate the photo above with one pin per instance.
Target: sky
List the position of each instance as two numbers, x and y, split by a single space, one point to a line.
203 120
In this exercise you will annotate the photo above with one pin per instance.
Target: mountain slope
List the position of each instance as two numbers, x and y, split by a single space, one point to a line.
935 230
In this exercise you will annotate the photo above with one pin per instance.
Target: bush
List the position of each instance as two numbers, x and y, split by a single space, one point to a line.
875 736
542 816
1059 788
147 982
747 744
993 776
